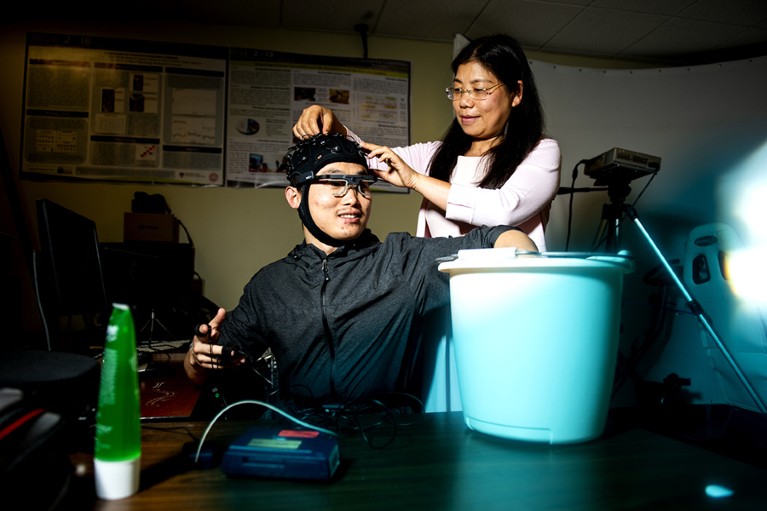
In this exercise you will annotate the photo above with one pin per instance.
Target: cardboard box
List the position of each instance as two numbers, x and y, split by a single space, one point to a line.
150 227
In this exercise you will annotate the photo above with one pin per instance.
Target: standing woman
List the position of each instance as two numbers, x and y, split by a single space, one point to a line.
494 165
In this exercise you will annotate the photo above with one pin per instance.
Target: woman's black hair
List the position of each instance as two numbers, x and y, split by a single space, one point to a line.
503 56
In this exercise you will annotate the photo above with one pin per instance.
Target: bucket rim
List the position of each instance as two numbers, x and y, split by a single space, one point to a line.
506 258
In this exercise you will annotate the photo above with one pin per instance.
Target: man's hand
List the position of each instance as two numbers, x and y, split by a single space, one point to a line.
205 354
515 238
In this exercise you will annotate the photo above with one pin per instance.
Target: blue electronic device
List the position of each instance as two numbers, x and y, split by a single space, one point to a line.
282 453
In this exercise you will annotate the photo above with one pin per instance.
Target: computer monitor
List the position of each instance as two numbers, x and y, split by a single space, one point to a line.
71 284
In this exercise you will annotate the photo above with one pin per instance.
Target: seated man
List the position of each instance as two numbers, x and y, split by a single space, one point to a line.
342 312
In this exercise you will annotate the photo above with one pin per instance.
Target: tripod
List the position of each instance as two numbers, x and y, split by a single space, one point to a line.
612 214
150 323
611 217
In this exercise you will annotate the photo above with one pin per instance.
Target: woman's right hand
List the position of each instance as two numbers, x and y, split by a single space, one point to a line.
317 119
397 172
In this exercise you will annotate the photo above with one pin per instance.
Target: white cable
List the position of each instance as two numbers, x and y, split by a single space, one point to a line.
266 405
39 301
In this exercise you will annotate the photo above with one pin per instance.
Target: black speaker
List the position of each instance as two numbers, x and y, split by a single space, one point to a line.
147 272
61 382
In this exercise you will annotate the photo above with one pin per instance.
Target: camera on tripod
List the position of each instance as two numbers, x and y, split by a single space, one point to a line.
620 165
615 169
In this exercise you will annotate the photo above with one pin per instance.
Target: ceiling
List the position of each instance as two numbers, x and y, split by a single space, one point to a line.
665 32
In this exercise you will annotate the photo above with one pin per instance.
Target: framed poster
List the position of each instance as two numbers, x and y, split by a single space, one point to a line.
123 110
139 111
268 91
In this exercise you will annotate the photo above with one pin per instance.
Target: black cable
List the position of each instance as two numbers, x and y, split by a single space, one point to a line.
641 192
627 364
570 206
388 417
186 231
375 419
362 29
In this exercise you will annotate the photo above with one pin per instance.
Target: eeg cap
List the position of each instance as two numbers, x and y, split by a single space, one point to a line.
302 161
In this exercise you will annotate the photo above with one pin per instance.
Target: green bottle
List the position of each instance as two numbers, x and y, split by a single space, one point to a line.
117 452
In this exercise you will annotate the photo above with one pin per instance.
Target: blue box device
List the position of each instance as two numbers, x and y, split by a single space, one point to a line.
282 453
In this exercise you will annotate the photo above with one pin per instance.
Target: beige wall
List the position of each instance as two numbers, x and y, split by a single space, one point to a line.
235 231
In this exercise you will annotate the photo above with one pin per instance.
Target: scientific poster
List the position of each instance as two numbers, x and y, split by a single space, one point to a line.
269 90
141 111
124 110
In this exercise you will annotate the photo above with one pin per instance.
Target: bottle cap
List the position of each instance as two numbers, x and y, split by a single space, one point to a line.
116 479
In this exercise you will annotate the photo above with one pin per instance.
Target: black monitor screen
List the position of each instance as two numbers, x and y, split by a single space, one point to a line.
70 249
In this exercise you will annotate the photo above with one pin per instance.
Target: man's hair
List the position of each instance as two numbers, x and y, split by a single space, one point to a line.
302 161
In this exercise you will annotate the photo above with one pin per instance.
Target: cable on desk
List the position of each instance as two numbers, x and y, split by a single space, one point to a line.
260 403
365 417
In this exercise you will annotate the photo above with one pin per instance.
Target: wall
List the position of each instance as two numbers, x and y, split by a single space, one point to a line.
701 121
705 122
235 231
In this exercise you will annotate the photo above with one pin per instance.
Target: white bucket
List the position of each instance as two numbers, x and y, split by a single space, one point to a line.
536 339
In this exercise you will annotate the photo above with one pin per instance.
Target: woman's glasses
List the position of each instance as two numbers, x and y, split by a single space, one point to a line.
455 93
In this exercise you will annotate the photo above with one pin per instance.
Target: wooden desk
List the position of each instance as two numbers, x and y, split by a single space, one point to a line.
436 463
